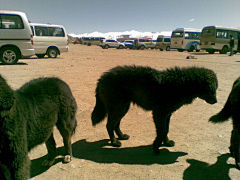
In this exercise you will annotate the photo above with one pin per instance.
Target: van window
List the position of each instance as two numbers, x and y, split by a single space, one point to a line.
11 22
49 31
159 39
167 39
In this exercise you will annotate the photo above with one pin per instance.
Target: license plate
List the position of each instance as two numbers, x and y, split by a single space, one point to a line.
175 43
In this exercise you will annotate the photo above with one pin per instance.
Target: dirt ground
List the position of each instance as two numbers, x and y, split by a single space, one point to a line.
201 150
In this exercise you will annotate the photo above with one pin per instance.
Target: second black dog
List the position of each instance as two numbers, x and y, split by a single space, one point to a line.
231 109
162 92
27 119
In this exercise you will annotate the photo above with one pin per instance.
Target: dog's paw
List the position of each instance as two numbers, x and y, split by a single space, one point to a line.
116 143
48 162
67 158
169 143
124 137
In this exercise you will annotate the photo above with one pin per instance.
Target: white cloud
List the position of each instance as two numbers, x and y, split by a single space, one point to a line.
191 20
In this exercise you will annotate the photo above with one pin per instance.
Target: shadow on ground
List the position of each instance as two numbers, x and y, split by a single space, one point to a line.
101 152
199 170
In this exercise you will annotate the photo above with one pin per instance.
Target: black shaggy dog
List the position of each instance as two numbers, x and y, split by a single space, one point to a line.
232 110
27 118
162 92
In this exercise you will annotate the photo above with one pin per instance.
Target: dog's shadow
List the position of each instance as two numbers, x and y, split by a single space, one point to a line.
203 171
101 152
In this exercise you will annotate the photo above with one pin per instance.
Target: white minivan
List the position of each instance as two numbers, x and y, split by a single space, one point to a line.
49 39
16 39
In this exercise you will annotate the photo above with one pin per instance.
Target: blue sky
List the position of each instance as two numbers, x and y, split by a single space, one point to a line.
86 16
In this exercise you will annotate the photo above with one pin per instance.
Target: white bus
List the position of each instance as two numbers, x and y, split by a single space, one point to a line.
185 39
49 39
217 38
91 40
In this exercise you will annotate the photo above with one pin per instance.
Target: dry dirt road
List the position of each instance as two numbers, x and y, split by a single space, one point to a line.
201 150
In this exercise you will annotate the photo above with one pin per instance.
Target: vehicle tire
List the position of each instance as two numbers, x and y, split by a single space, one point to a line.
191 49
198 50
89 44
180 50
211 51
9 55
120 47
52 52
224 50
161 49
40 55
142 47
168 48
106 46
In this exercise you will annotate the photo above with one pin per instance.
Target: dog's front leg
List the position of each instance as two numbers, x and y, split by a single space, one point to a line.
161 122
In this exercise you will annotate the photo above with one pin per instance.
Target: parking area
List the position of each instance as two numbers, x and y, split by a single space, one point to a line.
201 149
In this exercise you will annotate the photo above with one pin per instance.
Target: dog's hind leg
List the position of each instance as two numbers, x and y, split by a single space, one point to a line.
66 133
114 117
51 147
117 129
161 122
235 143
166 141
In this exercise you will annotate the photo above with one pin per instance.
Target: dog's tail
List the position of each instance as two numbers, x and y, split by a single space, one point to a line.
99 112
223 115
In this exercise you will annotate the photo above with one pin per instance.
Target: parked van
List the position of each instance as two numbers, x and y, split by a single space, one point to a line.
49 39
163 42
142 43
16 39
92 40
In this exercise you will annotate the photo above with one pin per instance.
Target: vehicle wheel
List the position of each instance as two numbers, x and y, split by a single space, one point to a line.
161 49
224 50
120 47
168 48
89 44
211 51
198 50
191 49
52 53
40 55
9 55
180 50
106 46
142 47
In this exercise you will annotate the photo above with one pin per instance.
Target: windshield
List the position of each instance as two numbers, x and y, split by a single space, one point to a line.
208 31
177 34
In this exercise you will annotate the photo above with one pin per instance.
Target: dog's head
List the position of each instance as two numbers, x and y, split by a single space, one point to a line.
208 88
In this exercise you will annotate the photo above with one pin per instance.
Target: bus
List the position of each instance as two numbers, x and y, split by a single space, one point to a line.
49 39
217 38
185 39
92 40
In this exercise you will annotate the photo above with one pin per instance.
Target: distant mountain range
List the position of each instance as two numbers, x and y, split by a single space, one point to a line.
116 35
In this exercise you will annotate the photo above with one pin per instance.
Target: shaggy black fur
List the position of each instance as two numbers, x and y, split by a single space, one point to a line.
232 110
162 92
27 118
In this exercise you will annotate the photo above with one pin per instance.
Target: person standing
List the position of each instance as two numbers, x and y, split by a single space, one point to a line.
231 45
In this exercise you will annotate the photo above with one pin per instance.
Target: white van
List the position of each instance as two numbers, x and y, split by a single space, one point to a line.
15 37
163 42
49 39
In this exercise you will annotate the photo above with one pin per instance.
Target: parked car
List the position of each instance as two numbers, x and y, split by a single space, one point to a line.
128 43
49 39
163 42
109 43
144 44
16 39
